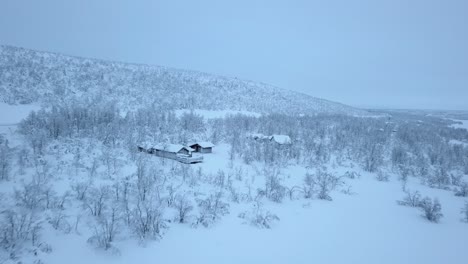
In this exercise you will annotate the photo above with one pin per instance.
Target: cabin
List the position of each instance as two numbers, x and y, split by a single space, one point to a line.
281 139
258 137
202 147
171 151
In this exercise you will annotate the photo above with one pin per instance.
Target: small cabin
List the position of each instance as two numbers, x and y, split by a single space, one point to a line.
202 147
172 151
258 137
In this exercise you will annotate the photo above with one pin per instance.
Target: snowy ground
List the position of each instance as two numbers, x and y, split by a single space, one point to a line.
12 114
366 226
464 124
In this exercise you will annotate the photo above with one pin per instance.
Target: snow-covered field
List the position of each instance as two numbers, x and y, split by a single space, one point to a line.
464 124
366 227
12 114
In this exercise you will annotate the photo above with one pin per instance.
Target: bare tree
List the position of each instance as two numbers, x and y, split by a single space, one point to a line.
431 209
18 227
81 189
97 200
147 220
183 206
106 229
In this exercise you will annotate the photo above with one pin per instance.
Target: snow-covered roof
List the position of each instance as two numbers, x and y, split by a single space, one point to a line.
173 148
281 139
203 144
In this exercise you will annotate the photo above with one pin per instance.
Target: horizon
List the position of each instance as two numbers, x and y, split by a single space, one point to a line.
392 54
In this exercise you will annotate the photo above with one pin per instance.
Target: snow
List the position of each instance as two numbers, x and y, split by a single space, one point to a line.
10 116
464 124
173 148
13 114
212 114
367 227
281 139
458 142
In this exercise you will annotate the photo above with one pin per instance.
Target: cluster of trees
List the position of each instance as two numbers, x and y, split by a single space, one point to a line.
415 148
5 159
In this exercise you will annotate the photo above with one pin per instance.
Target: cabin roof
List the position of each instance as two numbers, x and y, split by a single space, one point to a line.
281 139
173 148
203 144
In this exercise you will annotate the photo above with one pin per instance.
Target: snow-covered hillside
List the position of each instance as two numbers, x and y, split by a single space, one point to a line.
28 76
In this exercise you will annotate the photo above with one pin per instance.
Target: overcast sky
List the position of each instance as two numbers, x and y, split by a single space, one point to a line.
368 53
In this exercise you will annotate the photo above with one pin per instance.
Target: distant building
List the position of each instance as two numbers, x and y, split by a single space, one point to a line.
258 136
202 147
171 151
279 139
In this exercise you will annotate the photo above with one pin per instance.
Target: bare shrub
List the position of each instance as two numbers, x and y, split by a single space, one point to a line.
320 184
59 221
294 192
31 195
211 210
412 199
431 209
382 176
464 212
274 190
259 217
351 175
462 191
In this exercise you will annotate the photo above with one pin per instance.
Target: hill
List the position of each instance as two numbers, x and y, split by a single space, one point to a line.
28 76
